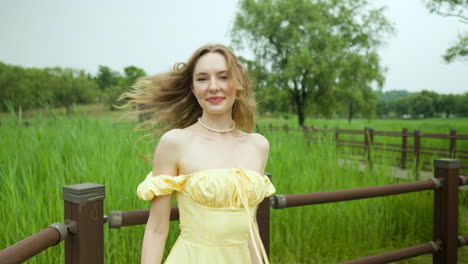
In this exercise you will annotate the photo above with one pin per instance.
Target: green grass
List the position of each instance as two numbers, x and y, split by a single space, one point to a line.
431 126
38 159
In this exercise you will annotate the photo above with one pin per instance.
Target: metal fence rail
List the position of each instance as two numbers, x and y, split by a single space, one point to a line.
33 245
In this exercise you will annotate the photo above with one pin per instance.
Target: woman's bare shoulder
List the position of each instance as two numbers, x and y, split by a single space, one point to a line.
173 137
259 140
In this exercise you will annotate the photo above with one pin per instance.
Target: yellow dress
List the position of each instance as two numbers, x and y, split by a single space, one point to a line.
216 210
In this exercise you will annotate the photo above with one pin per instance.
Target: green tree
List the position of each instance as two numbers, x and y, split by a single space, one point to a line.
401 106
421 105
436 103
131 74
355 84
458 9
71 87
112 93
302 44
461 107
270 98
448 104
106 77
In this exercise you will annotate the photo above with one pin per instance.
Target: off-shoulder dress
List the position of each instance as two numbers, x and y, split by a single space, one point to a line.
216 213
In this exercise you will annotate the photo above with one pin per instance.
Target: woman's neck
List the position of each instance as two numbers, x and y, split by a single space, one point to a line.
219 122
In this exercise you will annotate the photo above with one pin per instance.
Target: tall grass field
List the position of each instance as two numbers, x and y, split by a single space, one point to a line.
38 156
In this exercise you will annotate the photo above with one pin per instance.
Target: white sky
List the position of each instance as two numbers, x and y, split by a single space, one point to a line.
153 35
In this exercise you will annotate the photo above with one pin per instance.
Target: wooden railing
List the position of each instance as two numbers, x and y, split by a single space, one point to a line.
445 230
368 148
84 224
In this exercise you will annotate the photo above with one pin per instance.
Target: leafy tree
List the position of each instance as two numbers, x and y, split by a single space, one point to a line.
401 106
112 93
448 104
106 77
355 84
436 103
458 9
392 95
71 87
303 44
131 74
462 105
270 98
421 105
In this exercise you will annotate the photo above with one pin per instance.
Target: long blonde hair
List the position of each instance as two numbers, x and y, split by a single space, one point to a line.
166 100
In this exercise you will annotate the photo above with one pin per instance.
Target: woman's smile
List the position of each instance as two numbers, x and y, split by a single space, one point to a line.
215 99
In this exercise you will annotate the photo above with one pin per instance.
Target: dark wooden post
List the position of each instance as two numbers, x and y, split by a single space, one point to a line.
446 211
286 128
371 144
404 147
453 143
366 144
270 127
263 220
305 130
84 212
337 138
258 128
417 150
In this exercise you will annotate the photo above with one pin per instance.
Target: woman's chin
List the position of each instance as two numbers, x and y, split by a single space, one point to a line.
213 110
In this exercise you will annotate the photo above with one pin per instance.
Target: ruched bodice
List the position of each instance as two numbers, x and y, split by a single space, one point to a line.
216 213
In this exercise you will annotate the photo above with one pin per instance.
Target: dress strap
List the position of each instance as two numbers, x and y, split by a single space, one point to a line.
241 192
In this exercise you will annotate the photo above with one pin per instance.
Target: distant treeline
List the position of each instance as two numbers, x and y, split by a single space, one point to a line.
423 104
29 88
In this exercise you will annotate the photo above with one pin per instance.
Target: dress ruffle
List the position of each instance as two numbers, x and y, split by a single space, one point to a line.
209 187
159 185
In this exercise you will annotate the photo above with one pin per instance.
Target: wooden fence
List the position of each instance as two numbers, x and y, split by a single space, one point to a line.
368 149
84 224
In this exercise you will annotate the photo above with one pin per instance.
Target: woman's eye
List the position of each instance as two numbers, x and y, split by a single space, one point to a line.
201 79
223 77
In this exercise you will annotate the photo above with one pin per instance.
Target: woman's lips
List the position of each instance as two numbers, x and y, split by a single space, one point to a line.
215 100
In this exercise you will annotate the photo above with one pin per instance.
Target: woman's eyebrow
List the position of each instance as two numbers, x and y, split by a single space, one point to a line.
204 73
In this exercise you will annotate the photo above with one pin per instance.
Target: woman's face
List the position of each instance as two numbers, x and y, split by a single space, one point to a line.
210 84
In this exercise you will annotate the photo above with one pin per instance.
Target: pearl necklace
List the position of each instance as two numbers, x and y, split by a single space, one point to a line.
217 130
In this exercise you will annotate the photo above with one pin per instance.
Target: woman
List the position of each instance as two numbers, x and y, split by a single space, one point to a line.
215 168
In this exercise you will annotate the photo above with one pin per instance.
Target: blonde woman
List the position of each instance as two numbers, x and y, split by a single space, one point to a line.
216 169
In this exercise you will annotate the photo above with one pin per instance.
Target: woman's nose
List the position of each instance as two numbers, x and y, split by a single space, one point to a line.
214 84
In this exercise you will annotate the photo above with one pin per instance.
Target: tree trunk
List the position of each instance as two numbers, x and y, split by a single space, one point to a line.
300 114
300 109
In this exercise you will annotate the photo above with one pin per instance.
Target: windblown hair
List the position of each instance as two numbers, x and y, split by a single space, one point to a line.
166 100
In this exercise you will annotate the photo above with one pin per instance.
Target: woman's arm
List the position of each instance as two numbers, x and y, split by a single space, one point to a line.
157 228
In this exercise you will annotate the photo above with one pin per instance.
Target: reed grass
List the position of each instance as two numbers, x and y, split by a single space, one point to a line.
37 159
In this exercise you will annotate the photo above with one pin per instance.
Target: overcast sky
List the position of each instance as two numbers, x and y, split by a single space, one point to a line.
154 34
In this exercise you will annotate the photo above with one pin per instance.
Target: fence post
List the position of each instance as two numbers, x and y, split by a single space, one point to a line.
417 150
453 143
305 130
263 220
83 210
371 144
270 127
366 145
337 138
446 211
404 147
